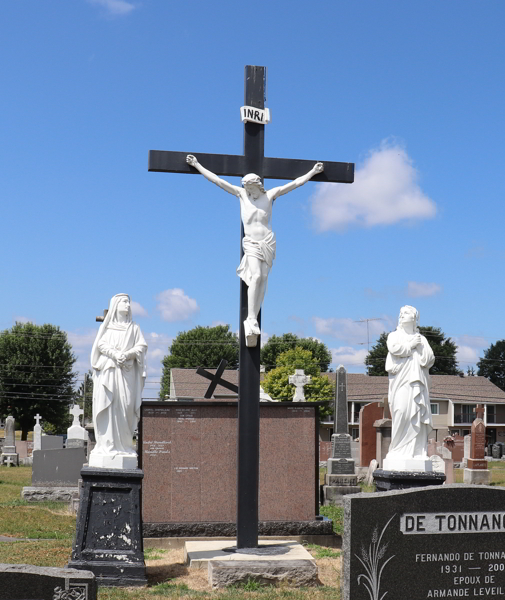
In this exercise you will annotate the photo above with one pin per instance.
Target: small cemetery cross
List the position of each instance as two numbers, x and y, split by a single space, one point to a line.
37 419
76 412
252 161
299 380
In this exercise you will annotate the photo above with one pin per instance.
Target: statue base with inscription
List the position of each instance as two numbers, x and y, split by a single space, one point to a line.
385 481
108 539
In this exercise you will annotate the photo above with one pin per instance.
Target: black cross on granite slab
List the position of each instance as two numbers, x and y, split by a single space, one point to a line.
216 379
252 161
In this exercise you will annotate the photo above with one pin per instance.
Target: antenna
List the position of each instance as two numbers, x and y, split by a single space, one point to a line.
367 329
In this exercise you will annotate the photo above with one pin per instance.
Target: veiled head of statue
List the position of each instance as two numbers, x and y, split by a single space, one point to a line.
120 303
407 314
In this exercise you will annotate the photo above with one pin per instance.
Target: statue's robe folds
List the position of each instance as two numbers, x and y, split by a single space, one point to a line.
117 391
409 396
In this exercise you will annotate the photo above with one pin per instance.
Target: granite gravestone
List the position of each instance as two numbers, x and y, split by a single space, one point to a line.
435 542
467 446
189 461
496 451
458 450
367 434
476 470
51 442
26 582
340 478
9 455
55 475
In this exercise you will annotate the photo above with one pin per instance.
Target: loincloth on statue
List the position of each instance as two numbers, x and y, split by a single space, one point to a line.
263 249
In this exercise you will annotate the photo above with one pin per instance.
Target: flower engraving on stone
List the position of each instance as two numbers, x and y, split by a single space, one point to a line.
75 592
371 559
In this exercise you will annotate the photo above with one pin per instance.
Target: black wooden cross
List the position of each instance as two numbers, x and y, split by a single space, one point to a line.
252 161
216 379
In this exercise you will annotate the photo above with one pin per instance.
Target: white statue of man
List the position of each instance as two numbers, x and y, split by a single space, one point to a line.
259 239
408 363
119 371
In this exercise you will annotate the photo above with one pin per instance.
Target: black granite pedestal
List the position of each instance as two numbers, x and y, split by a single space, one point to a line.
385 481
108 539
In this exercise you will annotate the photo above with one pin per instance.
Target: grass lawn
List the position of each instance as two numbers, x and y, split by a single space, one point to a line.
51 529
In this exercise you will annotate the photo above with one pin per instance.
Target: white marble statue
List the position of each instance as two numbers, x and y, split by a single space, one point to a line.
119 371
259 239
408 362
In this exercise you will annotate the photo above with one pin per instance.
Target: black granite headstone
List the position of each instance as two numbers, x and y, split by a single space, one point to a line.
26 582
435 542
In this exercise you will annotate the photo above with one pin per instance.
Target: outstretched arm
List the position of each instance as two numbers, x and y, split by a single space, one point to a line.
292 185
212 177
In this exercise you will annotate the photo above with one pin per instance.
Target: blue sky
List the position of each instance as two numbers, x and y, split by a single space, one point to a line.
412 92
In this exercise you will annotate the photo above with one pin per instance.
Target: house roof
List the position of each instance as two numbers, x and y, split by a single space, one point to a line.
188 384
364 388
360 388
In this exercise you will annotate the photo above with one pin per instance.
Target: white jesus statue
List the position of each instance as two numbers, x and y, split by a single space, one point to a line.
259 239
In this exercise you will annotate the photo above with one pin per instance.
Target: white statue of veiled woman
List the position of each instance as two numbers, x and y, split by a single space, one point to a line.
408 363
119 371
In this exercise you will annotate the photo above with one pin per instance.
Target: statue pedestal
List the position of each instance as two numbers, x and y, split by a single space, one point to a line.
108 539
407 464
385 481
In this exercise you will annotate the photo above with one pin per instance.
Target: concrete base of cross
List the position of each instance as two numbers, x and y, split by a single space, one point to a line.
273 562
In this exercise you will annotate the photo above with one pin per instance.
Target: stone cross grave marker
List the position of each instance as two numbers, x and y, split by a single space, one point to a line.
37 433
252 161
76 412
300 380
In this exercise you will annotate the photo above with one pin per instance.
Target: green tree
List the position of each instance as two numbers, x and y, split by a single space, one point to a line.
36 375
443 348
276 382
492 365
200 347
278 344
84 397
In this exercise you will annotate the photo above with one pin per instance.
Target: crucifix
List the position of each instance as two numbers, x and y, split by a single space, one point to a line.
259 167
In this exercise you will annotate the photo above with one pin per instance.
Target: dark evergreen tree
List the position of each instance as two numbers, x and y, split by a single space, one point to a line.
443 348
36 375
492 365
199 347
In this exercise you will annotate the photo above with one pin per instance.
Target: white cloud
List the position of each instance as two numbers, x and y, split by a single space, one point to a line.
138 310
217 323
82 342
416 289
352 358
349 330
115 7
23 320
469 348
174 305
385 191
